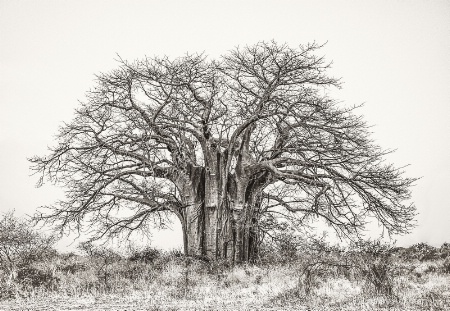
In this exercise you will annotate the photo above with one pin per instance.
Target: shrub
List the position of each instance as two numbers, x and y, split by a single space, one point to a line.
21 246
34 277
7 291
73 268
422 252
280 242
444 250
374 261
147 255
446 265
102 260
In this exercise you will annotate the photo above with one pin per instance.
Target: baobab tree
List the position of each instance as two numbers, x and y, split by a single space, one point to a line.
230 146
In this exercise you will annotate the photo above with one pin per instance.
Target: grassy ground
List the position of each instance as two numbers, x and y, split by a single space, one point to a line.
175 283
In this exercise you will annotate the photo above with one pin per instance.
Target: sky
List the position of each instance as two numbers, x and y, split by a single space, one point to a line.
393 56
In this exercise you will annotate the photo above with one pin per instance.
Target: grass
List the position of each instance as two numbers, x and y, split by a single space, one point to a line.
172 282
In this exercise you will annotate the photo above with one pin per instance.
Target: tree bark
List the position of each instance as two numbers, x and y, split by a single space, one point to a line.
221 204
219 232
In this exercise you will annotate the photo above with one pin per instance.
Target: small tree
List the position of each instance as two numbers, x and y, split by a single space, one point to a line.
105 256
222 144
20 245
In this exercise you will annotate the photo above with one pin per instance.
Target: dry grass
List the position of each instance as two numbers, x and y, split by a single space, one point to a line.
174 283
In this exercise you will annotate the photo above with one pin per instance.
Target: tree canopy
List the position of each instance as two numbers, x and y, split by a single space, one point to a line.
232 146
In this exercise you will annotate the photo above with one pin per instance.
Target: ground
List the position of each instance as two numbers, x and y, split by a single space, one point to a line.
180 284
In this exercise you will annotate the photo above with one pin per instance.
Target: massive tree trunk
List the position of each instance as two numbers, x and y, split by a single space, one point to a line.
221 201
220 229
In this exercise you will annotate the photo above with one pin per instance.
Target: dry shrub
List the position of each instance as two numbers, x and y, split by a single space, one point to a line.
24 253
379 275
322 262
375 262
34 277
73 268
368 261
444 250
7 291
422 252
146 255
446 265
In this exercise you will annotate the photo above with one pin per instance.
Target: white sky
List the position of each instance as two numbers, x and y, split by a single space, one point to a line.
392 55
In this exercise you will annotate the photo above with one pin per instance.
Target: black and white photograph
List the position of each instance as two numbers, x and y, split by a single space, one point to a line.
224 155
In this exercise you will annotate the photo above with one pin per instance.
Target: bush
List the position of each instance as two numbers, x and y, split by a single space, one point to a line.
7 291
374 261
147 255
369 260
73 268
21 246
281 248
422 252
446 265
444 250
102 261
34 277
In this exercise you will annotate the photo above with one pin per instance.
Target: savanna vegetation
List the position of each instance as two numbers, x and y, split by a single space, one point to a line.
246 151
289 274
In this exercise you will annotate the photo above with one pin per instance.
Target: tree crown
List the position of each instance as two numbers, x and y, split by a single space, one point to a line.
259 115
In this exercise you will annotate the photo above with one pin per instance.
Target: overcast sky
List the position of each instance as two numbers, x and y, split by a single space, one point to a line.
394 56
